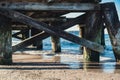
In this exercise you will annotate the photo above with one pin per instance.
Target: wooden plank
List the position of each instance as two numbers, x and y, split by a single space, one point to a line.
43 35
113 26
49 1
50 29
93 33
32 6
81 34
5 41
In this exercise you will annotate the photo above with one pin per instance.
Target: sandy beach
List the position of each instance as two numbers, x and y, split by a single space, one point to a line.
54 67
55 75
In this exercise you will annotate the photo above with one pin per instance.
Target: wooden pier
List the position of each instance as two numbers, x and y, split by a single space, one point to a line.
43 18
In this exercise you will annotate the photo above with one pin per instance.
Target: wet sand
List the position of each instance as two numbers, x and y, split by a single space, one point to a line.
41 66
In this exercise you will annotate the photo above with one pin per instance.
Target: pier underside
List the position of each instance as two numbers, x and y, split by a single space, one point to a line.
44 18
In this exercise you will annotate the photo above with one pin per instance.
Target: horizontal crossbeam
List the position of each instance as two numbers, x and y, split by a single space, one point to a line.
33 6
43 35
50 29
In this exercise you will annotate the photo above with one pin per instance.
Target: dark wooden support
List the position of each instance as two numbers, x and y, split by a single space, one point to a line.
81 30
50 29
35 6
25 33
38 43
92 32
54 1
5 40
55 41
103 37
43 35
56 47
113 27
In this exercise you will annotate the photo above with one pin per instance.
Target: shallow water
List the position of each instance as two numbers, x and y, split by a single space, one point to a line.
73 59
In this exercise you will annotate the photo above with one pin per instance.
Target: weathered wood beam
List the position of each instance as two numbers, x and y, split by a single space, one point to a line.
51 1
113 26
93 33
5 40
55 40
32 6
43 35
50 29
44 14
81 34
25 33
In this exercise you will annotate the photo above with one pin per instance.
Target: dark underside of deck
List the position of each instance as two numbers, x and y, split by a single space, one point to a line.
45 1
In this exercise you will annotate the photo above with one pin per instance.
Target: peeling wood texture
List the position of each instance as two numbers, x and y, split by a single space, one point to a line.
5 41
92 32
113 27
32 6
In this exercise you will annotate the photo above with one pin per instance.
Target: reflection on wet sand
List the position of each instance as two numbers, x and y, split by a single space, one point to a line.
66 61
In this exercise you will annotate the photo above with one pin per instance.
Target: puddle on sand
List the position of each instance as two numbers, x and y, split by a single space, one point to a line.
72 61
106 65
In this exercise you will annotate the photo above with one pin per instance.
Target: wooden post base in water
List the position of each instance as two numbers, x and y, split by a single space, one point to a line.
55 41
92 32
81 30
5 41
56 47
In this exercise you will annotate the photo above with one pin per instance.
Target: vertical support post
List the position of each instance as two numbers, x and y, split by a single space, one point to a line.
25 34
5 41
55 41
92 32
81 33
38 44
103 37
113 27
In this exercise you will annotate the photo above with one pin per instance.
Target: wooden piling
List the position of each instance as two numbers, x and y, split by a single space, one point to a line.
81 34
103 37
38 43
5 41
92 32
49 29
113 27
55 41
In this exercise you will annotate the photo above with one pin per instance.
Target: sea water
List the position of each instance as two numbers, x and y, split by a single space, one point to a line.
75 48
107 59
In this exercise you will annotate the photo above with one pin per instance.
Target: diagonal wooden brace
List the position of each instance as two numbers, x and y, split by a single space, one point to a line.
50 29
43 35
